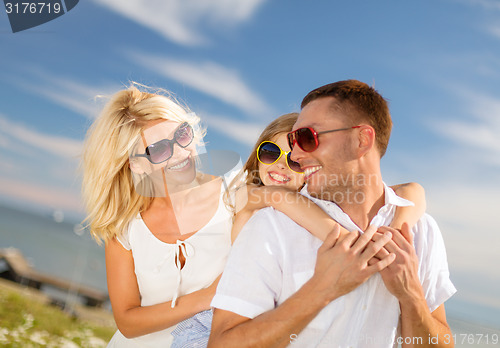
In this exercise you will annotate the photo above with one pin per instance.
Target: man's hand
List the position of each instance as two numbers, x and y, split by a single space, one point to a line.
344 263
401 276
401 279
341 266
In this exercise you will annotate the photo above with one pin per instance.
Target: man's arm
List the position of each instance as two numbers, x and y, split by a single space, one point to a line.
418 321
270 329
402 280
341 266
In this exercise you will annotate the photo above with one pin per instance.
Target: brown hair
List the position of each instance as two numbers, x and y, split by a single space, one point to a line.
361 103
249 175
282 124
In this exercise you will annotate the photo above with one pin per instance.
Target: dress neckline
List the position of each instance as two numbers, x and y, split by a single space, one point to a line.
219 207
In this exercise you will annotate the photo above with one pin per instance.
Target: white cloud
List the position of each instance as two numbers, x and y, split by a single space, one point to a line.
57 145
210 78
467 215
243 132
481 130
179 20
6 166
4 141
491 6
480 135
487 4
10 146
495 31
77 97
54 197
72 96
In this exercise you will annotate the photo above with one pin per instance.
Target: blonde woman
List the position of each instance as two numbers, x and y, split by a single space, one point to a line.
165 227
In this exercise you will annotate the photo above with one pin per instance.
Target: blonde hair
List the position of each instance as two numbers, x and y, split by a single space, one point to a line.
249 174
110 198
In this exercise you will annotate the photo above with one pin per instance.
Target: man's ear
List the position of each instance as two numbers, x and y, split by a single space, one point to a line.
366 139
135 167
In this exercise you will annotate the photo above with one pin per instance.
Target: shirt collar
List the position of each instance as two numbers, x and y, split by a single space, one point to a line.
332 209
392 198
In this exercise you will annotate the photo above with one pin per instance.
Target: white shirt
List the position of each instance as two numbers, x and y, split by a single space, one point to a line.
273 257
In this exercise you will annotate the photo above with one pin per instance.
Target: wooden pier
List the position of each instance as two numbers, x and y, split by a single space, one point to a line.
14 267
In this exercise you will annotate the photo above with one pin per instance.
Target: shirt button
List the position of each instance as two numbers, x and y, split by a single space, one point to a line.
364 307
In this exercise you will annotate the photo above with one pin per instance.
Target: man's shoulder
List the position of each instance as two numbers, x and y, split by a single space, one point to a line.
427 235
269 221
426 224
270 215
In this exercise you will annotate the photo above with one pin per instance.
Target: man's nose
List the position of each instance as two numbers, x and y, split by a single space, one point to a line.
297 153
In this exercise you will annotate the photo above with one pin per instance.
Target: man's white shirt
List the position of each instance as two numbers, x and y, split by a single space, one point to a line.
273 257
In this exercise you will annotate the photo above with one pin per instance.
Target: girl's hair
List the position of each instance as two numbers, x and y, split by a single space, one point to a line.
282 124
110 198
249 175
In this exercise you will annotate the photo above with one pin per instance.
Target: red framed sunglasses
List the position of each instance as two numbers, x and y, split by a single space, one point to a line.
307 138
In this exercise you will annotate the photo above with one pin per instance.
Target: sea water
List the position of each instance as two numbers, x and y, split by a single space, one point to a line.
60 249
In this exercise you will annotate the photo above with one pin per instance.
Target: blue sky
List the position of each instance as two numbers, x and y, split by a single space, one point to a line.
239 64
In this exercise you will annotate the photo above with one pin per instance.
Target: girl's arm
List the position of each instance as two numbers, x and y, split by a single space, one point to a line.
131 318
413 192
290 203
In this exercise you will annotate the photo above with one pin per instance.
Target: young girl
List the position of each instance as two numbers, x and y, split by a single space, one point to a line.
270 178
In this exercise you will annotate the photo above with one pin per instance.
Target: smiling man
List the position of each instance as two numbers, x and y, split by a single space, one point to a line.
282 286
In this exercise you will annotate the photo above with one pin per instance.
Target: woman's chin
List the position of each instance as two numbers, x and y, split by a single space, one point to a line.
180 178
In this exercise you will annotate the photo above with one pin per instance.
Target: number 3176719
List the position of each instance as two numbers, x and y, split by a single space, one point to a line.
33 7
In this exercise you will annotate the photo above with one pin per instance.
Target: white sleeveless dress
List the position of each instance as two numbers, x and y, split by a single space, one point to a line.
161 280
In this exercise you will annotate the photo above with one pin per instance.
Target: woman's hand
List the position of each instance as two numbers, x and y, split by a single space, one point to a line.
214 284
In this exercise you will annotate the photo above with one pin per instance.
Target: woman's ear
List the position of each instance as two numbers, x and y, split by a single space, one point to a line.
366 139
135 167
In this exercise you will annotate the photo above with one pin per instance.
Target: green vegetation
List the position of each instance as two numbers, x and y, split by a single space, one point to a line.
28 322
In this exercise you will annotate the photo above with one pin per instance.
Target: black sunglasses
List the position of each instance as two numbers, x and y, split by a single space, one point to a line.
269 153
163 150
